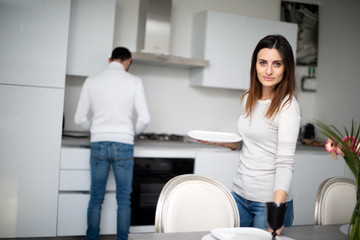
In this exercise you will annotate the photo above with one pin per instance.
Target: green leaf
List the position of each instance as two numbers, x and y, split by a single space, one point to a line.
351 156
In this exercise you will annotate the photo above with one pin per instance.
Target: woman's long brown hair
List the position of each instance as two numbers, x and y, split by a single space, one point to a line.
286 87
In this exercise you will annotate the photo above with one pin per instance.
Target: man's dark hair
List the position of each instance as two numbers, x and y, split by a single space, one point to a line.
120 53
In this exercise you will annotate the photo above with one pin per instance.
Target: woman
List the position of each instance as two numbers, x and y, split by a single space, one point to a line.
269 126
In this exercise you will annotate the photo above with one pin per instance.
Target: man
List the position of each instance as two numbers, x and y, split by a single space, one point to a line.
111 97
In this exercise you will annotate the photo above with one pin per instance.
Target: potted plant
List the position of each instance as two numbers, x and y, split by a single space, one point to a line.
347 145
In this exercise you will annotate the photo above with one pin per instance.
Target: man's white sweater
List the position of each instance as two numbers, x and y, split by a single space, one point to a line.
112 98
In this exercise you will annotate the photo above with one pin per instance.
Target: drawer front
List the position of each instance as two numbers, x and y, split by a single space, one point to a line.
79 180
75 158
73 212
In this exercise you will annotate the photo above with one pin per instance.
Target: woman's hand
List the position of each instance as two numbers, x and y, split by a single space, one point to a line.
232 145
279 196
278 232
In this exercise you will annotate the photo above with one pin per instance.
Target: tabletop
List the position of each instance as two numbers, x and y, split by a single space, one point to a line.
307 232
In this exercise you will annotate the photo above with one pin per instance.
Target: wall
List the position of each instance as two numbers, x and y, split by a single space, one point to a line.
337 99
177 107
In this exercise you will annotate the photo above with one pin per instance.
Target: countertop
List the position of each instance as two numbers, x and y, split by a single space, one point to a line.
149 148
187 148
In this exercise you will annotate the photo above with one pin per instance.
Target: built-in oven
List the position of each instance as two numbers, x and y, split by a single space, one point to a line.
150 176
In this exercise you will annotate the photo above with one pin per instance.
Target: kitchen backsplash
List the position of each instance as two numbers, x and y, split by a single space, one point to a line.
176 107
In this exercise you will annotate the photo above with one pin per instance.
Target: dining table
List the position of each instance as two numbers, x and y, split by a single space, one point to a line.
303 232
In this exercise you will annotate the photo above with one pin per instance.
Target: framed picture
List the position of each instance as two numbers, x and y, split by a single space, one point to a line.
307 18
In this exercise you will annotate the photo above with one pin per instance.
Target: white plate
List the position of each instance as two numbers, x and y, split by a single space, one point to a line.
219 137
344 229
242 233
209 236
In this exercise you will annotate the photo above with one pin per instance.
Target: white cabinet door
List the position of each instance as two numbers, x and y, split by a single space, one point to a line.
228 41
73 213
75 158
79 180
310 170
75 171
220 165
91 36
219 38
34 36
30 140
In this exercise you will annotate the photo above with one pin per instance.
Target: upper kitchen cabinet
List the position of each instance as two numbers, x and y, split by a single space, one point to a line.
219 37
28 38
91 35
227 41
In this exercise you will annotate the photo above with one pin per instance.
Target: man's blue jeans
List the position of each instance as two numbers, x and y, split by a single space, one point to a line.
120 157
253 214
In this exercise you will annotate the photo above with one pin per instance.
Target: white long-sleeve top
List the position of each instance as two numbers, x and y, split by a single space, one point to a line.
111 98
267 155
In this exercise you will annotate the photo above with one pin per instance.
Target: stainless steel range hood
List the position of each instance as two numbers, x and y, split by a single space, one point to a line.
154 26
154 31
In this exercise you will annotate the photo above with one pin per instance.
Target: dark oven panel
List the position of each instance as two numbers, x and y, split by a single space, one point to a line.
150 176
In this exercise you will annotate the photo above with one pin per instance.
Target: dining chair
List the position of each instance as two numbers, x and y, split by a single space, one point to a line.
192 202
335 201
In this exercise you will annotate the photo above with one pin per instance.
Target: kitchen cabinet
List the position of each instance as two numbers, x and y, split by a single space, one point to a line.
33 42
75 171
30 140
311 168
74 195
219 38
220 165
75 182
73 212
74 187
33 47
79 180
91 34
227 41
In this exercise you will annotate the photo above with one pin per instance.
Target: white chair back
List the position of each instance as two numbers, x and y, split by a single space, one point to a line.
190 203
335 201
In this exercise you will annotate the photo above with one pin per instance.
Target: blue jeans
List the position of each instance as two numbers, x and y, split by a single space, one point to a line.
253 214
120 157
